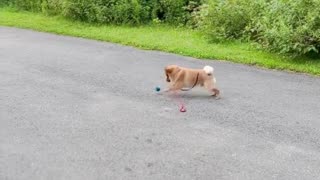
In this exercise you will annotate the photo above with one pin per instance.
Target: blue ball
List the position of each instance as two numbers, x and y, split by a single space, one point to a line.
158 88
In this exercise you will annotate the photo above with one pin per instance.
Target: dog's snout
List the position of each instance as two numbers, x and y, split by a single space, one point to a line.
168 79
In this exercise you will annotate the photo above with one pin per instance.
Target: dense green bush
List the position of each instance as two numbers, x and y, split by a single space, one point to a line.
289 26
52 7
198 10
228 19
4 3
107 11
284 26
31 5
114 11
172 11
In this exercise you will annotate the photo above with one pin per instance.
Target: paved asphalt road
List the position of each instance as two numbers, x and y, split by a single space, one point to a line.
80 109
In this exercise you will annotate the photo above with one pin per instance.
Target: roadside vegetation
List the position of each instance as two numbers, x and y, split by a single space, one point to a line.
280 34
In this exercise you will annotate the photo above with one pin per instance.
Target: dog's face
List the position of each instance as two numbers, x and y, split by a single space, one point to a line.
169 70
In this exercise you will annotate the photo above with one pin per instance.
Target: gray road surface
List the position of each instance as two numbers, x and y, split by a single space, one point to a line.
80 109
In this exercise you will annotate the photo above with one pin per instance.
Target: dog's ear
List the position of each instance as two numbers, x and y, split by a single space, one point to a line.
169 69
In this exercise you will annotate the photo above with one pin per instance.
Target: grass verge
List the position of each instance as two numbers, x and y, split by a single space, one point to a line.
164 38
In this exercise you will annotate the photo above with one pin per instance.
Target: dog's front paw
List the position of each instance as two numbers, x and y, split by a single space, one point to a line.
216 97
216 92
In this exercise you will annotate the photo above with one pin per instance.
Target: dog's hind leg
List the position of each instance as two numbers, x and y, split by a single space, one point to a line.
216 92
209 85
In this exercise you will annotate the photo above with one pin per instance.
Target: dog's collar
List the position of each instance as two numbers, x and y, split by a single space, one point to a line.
196 82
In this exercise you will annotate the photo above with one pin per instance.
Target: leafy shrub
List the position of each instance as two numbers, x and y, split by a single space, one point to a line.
284 26
30 5
228 19
52 7
83 10
114 11
4 3
107 11
289 26
198 12
169 10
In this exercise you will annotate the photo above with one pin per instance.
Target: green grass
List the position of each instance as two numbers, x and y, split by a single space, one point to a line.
164 38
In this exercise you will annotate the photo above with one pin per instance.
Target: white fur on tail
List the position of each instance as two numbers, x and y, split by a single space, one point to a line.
208 69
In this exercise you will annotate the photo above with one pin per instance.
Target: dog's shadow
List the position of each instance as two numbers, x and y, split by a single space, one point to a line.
198 95
188 95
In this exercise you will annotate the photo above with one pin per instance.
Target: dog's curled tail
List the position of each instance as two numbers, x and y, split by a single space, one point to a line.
208 69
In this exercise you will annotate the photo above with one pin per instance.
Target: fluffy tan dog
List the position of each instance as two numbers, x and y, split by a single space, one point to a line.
181 78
